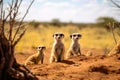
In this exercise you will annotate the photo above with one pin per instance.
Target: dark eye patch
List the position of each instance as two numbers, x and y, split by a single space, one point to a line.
56 34
74 35
39 47
79 35
61 35
44 47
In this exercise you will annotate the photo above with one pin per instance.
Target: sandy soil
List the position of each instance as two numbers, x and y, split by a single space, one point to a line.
95 67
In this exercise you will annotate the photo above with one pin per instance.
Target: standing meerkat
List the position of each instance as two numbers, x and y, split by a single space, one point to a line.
35 58
58 49
74 48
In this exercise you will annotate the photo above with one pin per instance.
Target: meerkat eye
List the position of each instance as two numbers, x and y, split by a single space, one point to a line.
74 35
43 47
61 35
79 35
39 47
56 34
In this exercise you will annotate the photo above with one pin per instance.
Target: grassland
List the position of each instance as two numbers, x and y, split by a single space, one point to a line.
92 37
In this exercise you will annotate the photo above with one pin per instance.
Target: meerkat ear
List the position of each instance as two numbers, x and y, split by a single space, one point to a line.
70 36
53 35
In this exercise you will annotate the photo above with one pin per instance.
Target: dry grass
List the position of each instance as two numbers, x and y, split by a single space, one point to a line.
91 37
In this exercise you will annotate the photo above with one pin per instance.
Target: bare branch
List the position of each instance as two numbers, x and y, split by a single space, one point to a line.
1 1
10 22
21 35
111 25
10 11
116 4
8 64
1 8
1 17
12 15
22 20
16 4
1 50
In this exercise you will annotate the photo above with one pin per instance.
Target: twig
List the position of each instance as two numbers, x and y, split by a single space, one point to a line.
22 20
111 25
1 17
115 3
18 39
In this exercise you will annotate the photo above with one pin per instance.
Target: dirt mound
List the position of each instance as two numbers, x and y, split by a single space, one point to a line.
98 67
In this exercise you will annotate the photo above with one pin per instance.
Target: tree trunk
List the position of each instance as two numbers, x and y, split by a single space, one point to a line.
9 68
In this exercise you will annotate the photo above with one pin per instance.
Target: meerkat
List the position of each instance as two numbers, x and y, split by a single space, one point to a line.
35 58
58 49
74 48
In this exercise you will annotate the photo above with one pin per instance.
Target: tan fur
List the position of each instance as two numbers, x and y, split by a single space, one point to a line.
74 48
35 58
58 49
115 50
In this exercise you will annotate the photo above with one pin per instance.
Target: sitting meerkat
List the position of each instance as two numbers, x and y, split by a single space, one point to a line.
74 48
35 58
58 49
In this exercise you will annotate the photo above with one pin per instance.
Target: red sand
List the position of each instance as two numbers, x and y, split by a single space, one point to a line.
97 67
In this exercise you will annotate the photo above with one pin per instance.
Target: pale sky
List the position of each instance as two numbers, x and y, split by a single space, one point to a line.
85 11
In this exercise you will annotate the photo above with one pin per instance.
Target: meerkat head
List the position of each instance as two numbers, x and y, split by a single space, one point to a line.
41 48
75 36
58 36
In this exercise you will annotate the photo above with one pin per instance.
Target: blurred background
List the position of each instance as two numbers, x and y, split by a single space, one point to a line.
90 18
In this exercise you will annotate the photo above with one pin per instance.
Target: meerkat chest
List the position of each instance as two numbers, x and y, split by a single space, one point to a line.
41 56
75 47
37 58
59 48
